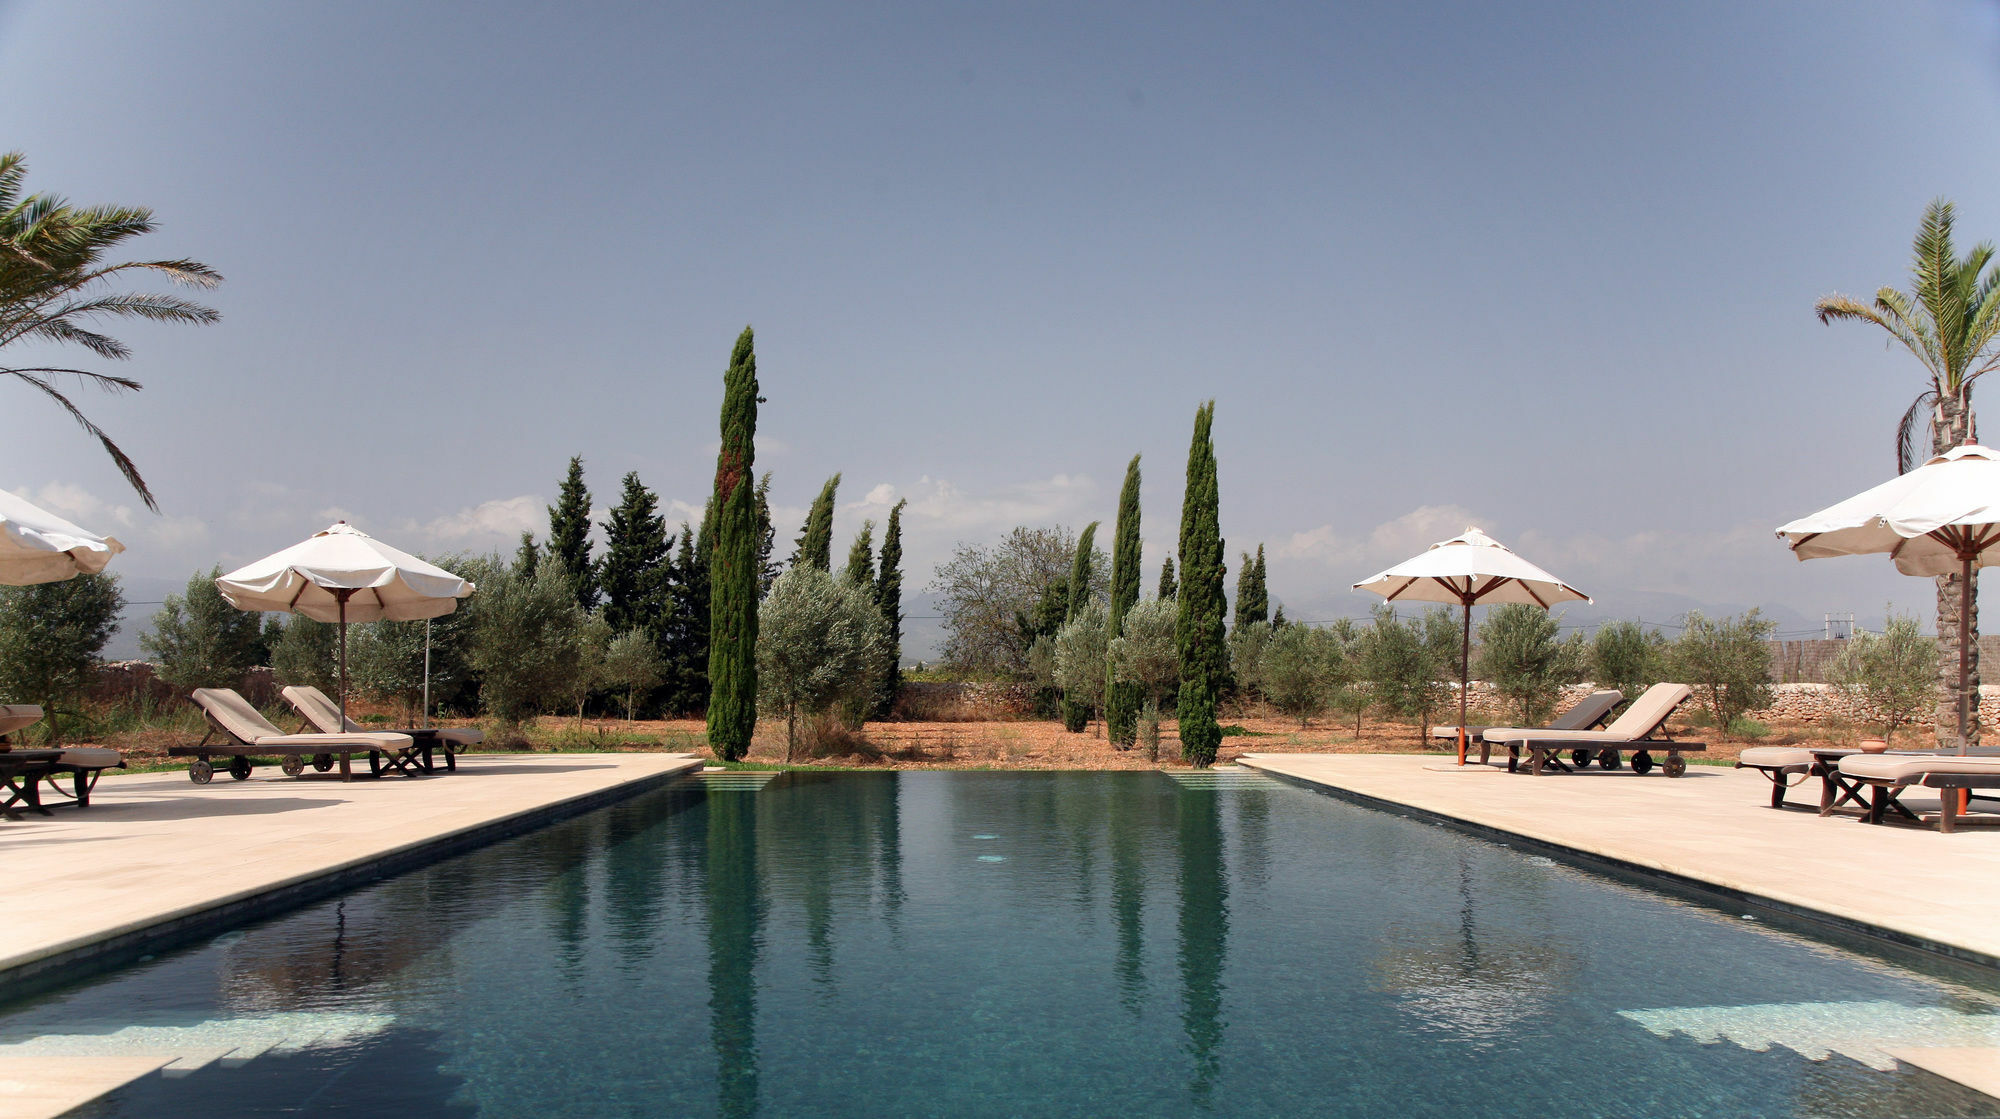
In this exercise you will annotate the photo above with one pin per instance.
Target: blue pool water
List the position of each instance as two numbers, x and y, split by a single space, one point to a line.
931 944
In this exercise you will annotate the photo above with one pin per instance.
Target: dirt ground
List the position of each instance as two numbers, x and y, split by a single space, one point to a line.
1012 743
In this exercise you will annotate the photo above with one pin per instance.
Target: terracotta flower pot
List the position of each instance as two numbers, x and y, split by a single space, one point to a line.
1873 746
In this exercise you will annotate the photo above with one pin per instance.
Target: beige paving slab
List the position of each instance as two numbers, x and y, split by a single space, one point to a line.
1976 1067
154 848
45 1087
1713 826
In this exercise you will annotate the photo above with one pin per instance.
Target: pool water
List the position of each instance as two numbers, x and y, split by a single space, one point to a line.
964 944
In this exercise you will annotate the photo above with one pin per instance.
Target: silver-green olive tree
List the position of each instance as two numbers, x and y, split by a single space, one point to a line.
632 666
1727 661
198 640
1523 657
50 638
1893 674
1081 649
1300 668
1146 656
821 641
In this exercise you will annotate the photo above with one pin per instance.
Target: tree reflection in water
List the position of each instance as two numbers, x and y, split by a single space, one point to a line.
735 920
1204 933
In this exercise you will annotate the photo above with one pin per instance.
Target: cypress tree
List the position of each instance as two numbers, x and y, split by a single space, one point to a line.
1278 621
569 534
1198 629
1076 716
685 651
634 574
889 598
815 543
528 557
861 559
1169 589
767 571
732 626
1253 603
1121 698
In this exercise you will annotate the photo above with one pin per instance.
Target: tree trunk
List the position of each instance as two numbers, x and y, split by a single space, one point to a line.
1954 427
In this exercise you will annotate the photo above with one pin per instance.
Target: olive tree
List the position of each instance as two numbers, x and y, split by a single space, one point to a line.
1727 661
1146 655
524 639
200 641
1081 647
1524 659
50 638
1624 657
1894 673
1300 668
820 641
631 666
1247 643
1407 663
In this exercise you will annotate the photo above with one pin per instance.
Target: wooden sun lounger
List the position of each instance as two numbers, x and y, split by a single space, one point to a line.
1637 730
319 711
249 734
82 764
1585 714
1889 774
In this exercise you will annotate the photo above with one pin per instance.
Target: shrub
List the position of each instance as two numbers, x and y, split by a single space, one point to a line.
1081 647
524 644
50 636
1406 664
820 641
200 641
1727 661
1146 656
1895 672
1300 668
632 666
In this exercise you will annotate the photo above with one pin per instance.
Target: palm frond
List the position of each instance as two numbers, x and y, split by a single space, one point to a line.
124 463
1916 421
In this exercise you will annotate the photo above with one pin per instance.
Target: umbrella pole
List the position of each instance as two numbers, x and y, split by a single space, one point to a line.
1965 600
346 770
1464 676
426 724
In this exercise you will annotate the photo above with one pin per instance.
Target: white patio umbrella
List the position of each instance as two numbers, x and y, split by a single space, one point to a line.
1469 569
36 546
1943 518
344 575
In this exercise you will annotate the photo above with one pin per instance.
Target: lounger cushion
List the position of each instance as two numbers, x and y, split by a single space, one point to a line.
90 757
325 714
1912 767
1538 736
1775 757
335 743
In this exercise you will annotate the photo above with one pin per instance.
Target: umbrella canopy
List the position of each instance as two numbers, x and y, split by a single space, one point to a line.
36 546
345 575
1469 569
1943 518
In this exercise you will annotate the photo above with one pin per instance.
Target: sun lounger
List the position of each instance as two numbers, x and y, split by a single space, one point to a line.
319 711
81 763
1587 713
1889 774
1639 729
249 733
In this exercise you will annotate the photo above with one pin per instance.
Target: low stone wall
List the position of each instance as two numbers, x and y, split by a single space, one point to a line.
932 702
131 681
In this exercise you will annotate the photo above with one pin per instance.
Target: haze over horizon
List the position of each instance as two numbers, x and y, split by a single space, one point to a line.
1547 269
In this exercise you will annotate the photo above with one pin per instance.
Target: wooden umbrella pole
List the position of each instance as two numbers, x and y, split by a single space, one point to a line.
1964 636
340 596
1464 674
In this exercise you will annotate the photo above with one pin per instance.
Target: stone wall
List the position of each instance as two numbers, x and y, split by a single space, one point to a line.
131 681
1806 662
932 702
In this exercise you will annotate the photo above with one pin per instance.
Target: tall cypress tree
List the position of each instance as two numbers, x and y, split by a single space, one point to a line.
1198 629
860 569
889 599
569 534
767 571
1253 602
815 543
732 625
1121 699
634 574
1076 716
1169 588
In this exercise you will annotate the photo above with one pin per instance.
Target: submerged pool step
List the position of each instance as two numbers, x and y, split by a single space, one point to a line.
1221 777
733 780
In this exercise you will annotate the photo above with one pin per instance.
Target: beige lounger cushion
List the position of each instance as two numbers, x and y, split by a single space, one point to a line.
90 757
248 727
1583 713
325 714
1639 720
1912 767
1775 757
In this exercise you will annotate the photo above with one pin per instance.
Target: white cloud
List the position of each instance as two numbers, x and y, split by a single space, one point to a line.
489 523
74 503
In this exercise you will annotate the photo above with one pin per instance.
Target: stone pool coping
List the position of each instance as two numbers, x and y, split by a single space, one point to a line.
156 859
1712 832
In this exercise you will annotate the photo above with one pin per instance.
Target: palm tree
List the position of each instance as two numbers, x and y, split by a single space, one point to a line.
1950 321
53 278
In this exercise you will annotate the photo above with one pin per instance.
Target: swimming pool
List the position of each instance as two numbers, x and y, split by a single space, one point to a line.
1013 944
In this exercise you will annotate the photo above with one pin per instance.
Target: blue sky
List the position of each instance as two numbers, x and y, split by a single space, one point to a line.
1544 268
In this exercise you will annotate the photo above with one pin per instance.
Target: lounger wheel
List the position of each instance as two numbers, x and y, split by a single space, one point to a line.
239 768
200 772
1674 767
293 765
1579 758
322 762
1608 759
1642 763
